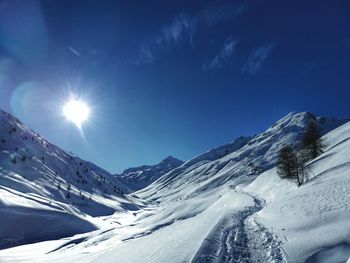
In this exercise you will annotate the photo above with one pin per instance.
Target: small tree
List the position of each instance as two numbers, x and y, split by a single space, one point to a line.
287 163
302 169
312 142
292 164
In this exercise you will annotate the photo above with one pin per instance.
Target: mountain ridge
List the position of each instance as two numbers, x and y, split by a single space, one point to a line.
293 122
254 155
139 177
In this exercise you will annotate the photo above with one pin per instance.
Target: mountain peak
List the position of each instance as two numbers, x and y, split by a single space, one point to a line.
295 118
139 177
171 159
301 120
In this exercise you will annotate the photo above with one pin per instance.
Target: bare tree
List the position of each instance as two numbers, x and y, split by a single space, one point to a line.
287 163
302 170
312 141
292 165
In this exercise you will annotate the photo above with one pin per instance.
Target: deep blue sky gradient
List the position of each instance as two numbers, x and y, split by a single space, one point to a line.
170 77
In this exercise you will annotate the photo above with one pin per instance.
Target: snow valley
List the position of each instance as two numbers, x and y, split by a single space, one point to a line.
228 204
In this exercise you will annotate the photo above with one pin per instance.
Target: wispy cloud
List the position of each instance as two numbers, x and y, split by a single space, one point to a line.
182 28
257 58
223 56
145 56
74 51
179 30
223 13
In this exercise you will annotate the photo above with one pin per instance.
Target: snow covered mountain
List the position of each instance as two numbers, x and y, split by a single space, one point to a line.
226 205
49 189
244 157
142 176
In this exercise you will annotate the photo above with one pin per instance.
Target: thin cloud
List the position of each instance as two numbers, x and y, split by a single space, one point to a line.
182 30
146 56
223 56
224 13
257 58
74 51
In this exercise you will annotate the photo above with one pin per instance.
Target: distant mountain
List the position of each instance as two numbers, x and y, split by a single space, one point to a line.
49 189
244 157
142 176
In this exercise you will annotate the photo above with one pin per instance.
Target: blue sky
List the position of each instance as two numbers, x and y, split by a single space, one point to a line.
170 77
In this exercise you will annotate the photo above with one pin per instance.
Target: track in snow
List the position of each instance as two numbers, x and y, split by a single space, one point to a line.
238 238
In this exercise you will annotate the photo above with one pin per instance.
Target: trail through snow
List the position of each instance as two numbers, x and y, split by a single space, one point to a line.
238 238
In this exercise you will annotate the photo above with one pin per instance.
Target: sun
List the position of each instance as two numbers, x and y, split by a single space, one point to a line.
76 111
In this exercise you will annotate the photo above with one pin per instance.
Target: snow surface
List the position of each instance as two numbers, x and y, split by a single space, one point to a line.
227 205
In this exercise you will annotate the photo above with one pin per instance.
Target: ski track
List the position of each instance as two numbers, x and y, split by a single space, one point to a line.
238 238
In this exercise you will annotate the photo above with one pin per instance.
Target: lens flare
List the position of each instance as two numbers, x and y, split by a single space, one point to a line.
76 111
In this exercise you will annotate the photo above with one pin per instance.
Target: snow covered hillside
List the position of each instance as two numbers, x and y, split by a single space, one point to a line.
312 221
245 157
140 177
47 193
226 205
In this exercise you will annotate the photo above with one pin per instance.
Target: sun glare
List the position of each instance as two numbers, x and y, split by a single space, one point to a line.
76 111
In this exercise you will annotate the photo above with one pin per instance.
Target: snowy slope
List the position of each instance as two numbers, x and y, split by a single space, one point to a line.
244 157
46 192
142 176
226 206
311 221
